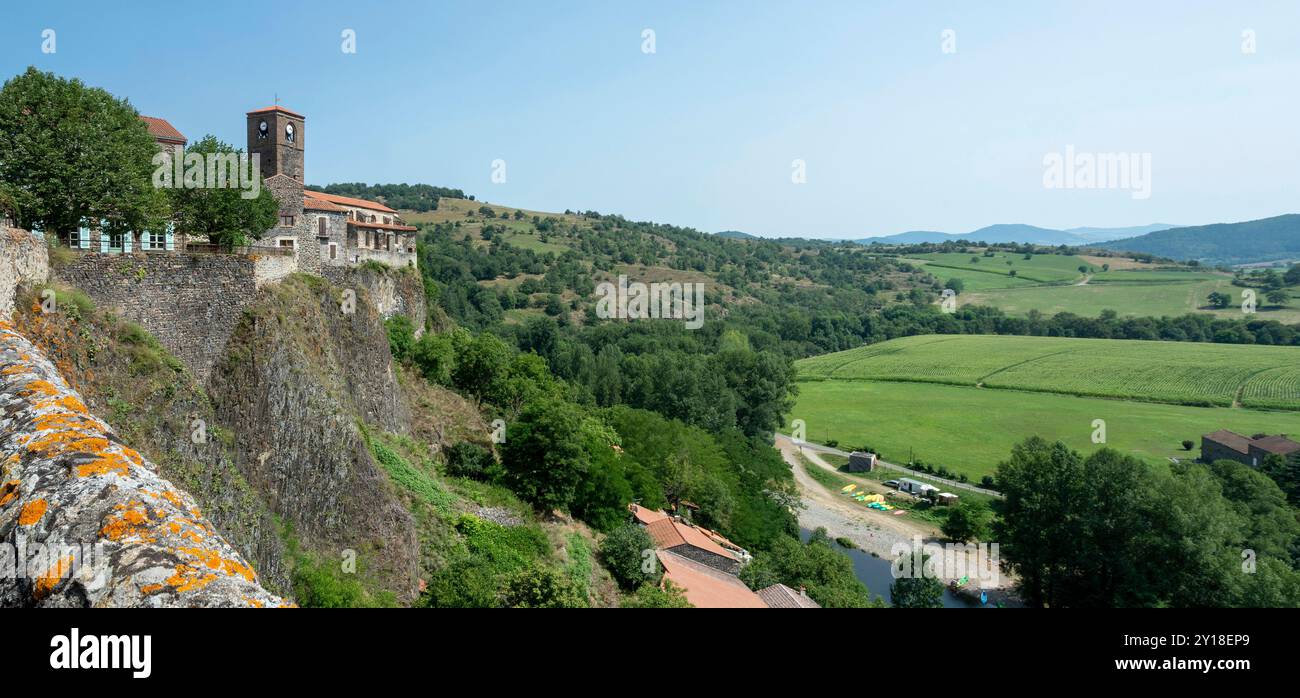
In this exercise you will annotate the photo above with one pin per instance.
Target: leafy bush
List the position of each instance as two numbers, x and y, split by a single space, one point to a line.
470 460
624 553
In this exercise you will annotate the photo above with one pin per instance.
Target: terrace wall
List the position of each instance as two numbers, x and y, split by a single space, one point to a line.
190 302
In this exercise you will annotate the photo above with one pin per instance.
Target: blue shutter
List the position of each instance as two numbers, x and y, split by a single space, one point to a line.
127 237
171 237
83 236
103 241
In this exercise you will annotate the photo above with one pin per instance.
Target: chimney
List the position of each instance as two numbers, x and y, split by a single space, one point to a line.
803 590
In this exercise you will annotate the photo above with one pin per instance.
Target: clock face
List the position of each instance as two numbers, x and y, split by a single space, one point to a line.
262 129
288 132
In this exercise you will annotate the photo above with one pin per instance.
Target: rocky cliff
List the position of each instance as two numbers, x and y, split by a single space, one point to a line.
308 366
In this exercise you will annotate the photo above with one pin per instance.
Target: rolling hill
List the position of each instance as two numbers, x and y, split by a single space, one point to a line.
1263 240
1017 232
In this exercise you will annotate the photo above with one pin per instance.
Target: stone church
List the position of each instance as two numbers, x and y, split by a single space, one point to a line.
318 230
324 229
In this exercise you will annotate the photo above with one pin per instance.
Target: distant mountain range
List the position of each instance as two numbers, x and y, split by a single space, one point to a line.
1248 242
1000 233
1018 232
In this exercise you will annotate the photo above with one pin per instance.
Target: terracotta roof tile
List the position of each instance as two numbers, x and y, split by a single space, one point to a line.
646 516
310 202
278 108
350 201
668 533
706 587
162 130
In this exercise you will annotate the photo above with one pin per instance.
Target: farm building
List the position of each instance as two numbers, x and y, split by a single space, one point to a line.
861 462
1229 445
705 586
690 542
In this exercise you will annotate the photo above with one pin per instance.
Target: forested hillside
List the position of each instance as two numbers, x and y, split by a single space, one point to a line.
1263 240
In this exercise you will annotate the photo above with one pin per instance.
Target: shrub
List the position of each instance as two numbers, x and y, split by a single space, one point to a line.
469 460
1188 444
623 552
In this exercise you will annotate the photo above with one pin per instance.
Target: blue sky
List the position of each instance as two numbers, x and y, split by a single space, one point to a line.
896 134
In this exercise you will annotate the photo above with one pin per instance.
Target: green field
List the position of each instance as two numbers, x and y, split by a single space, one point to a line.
970 430
1041 268
1175 372
1052 284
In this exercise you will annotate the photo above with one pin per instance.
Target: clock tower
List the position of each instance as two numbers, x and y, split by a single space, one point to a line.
275 134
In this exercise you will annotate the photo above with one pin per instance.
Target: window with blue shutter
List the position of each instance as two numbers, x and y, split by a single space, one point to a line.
127 237
170 241
83 236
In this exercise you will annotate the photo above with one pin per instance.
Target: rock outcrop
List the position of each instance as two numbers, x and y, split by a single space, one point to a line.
24 259
307 369
86 520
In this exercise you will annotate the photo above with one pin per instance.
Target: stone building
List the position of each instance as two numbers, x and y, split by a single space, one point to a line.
316 229
1229 445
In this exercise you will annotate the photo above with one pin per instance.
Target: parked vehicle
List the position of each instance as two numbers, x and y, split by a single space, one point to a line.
891 483
915 487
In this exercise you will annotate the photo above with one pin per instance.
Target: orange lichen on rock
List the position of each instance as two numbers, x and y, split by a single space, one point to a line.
189 578
109 463
46 582
8 492
32 512
132 525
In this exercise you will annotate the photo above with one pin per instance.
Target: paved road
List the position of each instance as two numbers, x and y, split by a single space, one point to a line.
900 468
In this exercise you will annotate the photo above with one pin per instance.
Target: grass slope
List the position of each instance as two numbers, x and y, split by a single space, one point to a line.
1174 372
970 430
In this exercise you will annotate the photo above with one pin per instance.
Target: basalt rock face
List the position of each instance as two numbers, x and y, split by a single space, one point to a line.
24 260
305 369
86 520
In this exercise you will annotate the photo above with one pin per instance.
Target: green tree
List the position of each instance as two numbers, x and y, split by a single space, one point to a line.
624 554
1278 297
479 361
917 591
401 336
545 456
957 285
1292 276
1219 300
71 153
968 521
825 572
651 596
222 213
541 587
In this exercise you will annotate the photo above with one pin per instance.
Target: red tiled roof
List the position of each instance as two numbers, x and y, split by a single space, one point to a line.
646 516
670 534
1230 439
278 108
782 596
706 587
161 130
310 202
349 201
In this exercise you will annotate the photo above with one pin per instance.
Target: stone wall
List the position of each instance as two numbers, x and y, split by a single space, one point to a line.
24 260
392 291
190 302
269 268
91 521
